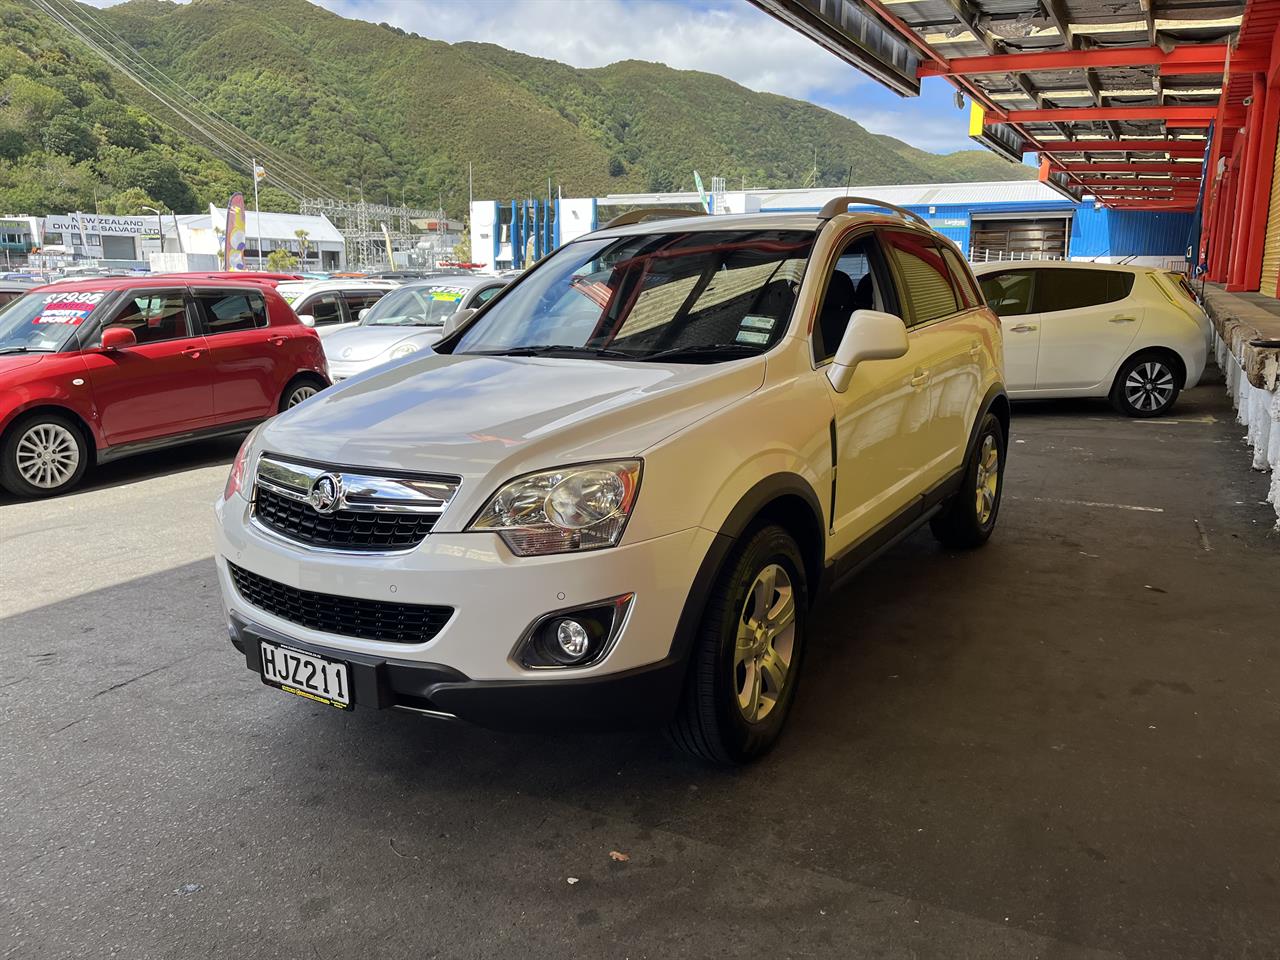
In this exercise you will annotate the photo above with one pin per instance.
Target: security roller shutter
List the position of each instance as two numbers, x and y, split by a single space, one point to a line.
1271 249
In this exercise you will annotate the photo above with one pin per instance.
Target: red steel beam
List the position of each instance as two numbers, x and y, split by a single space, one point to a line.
1211 67
1198 56
1180 148
1175 116
1107 166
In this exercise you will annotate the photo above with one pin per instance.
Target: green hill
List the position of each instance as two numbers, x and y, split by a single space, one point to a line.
358 107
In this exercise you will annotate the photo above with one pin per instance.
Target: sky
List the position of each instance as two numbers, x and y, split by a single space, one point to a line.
728 37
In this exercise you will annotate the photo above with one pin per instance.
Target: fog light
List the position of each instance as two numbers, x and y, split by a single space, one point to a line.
573 638
577 637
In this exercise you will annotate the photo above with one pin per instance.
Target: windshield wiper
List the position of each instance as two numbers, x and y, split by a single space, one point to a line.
22 350
706 351
551 349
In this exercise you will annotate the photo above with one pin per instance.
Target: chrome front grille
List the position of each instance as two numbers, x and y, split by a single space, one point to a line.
347 509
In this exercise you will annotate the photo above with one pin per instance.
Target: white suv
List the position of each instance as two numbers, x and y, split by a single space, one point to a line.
612 496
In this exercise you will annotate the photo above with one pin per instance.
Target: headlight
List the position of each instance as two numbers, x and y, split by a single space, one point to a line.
238 480
404 350
583 507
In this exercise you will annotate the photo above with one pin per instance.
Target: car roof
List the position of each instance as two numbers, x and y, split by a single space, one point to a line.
467 280
304 287
96 284
992 266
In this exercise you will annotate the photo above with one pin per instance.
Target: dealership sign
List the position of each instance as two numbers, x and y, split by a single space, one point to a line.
75 223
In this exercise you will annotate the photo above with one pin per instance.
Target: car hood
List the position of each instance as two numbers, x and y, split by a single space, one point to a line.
10 362
473 416
355 344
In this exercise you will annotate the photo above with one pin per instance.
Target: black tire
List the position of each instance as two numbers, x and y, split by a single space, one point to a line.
960 525
1147 385
309 386
67 440
710 724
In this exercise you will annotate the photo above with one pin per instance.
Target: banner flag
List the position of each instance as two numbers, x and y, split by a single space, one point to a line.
234 242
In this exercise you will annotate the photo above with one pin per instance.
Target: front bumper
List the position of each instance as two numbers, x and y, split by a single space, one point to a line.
495 596
633 699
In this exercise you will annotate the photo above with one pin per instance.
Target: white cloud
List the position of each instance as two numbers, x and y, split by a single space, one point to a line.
732 39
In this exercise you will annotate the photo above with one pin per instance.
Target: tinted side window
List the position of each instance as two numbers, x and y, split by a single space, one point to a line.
1071 289
152 315
851 286
484 296
325 309
360 301
927 289
1009 294
226 311
7 296
962 277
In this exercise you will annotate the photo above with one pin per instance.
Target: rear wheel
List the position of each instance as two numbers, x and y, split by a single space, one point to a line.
970 516
746 661
298 391
42 455
1146 386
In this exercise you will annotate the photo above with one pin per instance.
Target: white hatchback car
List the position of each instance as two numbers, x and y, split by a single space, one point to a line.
332 305
1072 329
612 496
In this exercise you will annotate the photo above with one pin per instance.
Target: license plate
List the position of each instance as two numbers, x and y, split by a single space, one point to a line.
306 675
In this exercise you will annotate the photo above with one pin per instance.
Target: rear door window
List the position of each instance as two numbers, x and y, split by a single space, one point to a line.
153 315
361 301
1010 293
228 311
927 291
1071 288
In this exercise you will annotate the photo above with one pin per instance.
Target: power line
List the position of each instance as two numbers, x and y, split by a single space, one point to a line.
241 148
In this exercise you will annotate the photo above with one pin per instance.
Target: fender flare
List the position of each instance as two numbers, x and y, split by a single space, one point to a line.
996 401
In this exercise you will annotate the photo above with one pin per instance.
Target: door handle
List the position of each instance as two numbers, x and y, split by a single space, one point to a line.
1122 320
192 352
921 378
278 341
1023 328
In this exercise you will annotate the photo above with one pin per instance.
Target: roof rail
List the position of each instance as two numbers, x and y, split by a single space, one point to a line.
839 205
650 213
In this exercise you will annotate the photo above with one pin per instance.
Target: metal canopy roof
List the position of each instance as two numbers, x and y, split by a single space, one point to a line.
1115 95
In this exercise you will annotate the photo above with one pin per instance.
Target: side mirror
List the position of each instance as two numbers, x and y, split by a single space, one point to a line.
363 313
118 338
871 335
306 319
457 319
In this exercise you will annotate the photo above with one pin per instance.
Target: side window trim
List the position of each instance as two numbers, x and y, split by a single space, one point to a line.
961 277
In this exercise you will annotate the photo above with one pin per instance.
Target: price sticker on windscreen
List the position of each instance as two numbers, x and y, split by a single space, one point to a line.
68 308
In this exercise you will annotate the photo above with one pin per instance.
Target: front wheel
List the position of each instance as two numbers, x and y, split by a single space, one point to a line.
43 455
746 659
1146 386
969 517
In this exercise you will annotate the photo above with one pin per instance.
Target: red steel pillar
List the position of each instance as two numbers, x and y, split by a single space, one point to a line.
1248 212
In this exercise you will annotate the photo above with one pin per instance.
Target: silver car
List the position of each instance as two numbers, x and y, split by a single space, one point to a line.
404 321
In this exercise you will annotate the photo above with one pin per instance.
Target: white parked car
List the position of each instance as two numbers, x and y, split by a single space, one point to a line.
1133 334
405 321
332 305
612 497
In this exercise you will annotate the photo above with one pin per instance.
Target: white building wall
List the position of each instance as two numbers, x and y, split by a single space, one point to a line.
484 224
576 216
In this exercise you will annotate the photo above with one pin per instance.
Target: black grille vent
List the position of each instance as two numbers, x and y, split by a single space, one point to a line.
347 616
343 529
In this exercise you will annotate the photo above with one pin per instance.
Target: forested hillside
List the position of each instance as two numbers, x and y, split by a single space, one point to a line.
360 107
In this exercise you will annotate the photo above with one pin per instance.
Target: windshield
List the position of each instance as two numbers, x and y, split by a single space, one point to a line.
42 322
416 307
690 297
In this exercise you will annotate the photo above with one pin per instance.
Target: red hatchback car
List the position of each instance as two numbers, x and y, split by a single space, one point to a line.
100 369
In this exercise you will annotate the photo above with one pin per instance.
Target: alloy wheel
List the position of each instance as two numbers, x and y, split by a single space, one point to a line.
765 643
304 392
988 482
47 455
1149 386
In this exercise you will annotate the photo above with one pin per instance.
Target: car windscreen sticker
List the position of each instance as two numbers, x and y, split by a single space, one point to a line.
753 337
753 322
68 308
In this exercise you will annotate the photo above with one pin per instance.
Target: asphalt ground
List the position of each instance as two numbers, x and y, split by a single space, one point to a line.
1063 745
